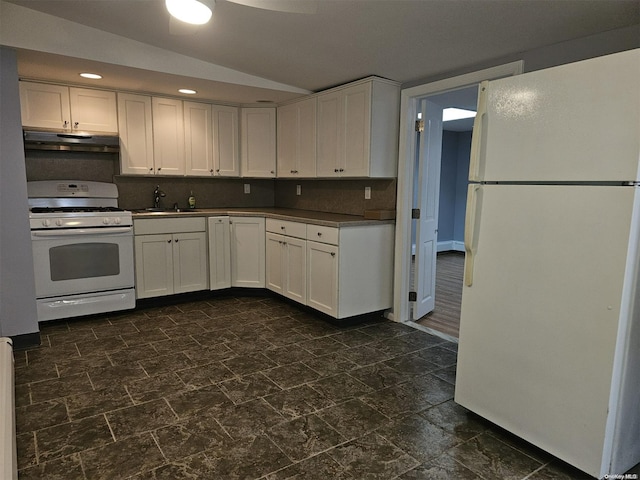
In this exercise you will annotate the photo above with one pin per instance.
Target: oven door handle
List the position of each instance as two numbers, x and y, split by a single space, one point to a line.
71 232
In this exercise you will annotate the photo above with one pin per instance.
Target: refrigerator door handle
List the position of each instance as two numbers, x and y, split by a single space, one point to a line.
472 220
476 160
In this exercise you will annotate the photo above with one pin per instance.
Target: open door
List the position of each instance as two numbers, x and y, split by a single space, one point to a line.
428 193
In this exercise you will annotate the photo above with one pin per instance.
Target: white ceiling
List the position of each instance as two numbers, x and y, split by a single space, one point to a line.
404 40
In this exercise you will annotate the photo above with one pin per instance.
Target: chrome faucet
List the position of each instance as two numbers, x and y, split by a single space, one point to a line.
157 194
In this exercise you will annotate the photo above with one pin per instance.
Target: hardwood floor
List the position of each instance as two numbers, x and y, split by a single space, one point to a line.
446 316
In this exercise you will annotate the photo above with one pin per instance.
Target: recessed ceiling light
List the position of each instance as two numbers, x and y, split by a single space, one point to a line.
93 76
188 91
449 114
189 11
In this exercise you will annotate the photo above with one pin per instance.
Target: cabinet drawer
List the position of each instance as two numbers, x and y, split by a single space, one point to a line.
283 227
318 233
168 225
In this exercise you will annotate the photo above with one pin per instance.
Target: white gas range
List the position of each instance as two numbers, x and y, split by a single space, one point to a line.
82 249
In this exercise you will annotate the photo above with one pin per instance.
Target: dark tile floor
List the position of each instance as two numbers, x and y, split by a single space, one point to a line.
252 387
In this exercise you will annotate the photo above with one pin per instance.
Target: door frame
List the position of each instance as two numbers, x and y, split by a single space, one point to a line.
409 103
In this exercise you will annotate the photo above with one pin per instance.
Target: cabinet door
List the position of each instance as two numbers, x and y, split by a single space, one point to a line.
45 106
258 142
247 252
136 134
356 132
93 110
168 136
274 262
330 124
219 253
198 139
295 269
154 265
190 262
322 277
226 157
297 139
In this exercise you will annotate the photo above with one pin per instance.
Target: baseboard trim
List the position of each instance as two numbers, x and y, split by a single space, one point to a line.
451 245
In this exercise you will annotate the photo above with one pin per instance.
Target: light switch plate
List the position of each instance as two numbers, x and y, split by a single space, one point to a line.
298 189
367 193
247 188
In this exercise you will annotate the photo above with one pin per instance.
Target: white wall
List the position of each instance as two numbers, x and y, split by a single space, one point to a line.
18 315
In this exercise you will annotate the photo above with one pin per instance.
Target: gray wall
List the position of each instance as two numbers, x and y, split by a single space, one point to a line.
18 314
557 54
454 171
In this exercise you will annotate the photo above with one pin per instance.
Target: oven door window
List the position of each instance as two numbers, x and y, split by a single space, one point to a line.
84 260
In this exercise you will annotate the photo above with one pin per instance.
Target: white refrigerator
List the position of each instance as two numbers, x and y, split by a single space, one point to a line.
550 322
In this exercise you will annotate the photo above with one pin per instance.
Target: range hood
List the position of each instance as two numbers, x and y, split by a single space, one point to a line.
71 141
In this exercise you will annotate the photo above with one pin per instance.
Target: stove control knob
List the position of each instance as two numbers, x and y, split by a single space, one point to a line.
106 220
117 220
46 222
59 222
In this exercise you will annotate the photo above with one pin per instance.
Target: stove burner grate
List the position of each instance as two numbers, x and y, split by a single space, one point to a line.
74 209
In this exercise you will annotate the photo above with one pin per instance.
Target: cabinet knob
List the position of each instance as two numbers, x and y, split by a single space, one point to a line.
168 241
333 254
211 171
218 170
342 169
75 124
282 227
151 169
65 124
336 170
319 234
159 168
272 172
176 240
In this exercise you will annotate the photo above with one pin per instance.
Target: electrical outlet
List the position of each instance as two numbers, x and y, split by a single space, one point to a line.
367 193
298 190
247 188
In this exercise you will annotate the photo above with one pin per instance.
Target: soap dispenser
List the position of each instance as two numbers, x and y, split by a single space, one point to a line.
192 200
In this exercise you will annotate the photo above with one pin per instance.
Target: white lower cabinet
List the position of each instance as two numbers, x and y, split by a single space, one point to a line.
342 272
219 253
286 260
170 256
322 261
350 269
247 251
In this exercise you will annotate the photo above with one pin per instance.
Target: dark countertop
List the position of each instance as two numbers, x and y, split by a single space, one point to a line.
306 216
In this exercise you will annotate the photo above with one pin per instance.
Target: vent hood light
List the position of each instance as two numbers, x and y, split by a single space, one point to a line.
187 91
189 11
93 76
450 114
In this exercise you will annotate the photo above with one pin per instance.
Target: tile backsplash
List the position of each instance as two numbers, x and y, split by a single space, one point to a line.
335 196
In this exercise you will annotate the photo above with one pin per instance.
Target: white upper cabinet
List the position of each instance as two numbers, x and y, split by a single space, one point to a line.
168 136
198 139
69 108
258 142
357 130
297 139
136 134
226 157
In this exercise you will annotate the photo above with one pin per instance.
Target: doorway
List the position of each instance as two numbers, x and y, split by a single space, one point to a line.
413 101
443 157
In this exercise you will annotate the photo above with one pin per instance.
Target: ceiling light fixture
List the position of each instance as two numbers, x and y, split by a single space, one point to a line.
450 114
93 76
188 91
190 11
